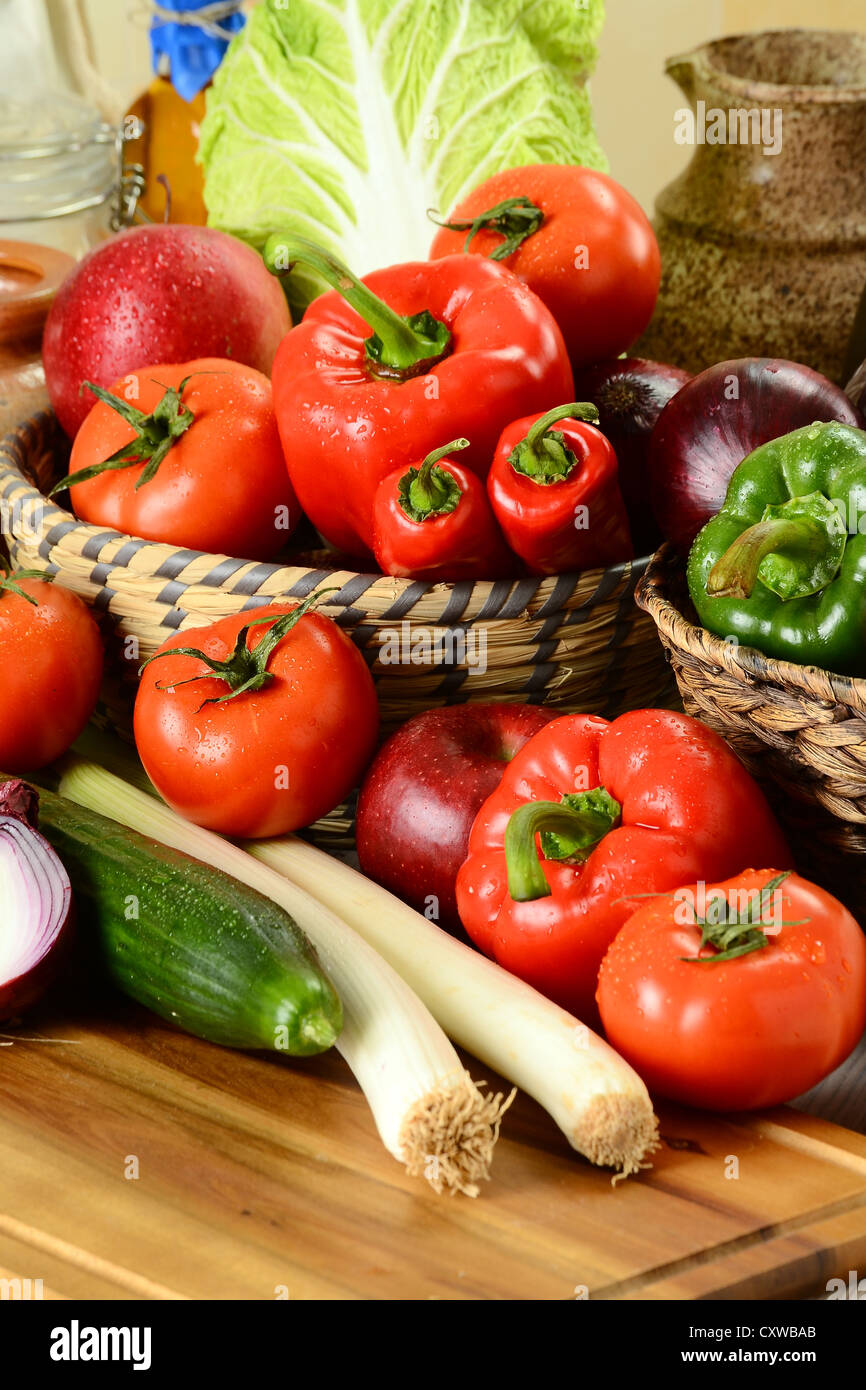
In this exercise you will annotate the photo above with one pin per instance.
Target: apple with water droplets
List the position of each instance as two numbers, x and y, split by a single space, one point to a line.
423 791
167 293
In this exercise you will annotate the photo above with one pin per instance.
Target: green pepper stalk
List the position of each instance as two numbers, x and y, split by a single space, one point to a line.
543 454
400 346
569 831
804 539
781 568
431 491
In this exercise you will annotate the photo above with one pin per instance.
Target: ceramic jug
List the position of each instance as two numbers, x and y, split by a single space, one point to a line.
763 237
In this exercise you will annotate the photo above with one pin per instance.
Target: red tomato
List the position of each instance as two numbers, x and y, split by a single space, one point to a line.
222 486
741 1033
266 761
51 660
594 259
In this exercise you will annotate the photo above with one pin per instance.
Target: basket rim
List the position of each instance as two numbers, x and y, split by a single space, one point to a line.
739 661
23 437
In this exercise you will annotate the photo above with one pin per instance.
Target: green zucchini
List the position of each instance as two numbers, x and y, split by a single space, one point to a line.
189 942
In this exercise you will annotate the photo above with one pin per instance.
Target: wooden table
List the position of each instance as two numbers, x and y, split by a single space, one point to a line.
136 1162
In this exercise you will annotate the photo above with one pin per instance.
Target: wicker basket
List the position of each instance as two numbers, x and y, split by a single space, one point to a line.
800 730
576 641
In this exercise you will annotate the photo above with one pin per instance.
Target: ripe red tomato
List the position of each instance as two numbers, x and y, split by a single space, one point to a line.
268 760
593 260
51 659
223 484
736 1034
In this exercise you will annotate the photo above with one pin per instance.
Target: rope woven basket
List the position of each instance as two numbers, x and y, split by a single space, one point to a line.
575 641
800 730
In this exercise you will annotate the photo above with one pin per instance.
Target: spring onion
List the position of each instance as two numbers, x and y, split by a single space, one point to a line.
430 1114
595 1097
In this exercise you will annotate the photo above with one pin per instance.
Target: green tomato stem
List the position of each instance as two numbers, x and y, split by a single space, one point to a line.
156 434
514 218
244 670
9 580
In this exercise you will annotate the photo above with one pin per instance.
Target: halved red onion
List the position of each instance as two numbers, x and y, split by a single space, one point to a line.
35 905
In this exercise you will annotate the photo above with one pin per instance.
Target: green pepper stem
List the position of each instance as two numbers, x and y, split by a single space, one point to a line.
401 346
526 879
543 454
578 410
426 493
735 574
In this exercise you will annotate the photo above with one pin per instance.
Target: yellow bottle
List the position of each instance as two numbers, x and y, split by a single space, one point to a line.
167 149
188 40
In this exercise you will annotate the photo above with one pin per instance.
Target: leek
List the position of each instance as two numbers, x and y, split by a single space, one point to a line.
429 1113
596 1098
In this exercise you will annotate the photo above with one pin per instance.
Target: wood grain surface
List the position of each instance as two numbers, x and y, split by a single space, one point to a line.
260 1178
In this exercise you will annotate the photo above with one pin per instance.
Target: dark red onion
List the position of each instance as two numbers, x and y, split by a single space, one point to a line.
707 430
35 902
630 394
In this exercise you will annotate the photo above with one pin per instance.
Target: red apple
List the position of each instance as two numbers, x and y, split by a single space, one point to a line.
153 294
424 790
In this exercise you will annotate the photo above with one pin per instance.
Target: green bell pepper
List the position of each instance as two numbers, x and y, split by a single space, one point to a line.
782 566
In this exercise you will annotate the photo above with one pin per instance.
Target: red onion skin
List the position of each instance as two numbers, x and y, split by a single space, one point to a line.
706 430
630 393
19 802
20 994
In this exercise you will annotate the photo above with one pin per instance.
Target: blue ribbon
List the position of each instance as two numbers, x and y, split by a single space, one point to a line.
193 52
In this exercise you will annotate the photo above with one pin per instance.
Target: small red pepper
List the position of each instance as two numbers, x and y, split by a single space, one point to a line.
555 492
379 373
589 817
435 523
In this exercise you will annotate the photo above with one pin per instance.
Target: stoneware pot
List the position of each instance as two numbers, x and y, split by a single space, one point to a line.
763 237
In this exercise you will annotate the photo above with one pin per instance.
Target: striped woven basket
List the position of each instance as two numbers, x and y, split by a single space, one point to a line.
800 730
576 641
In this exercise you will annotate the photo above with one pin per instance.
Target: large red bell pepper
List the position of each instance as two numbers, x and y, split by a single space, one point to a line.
643 805
554 488
381 371
434 522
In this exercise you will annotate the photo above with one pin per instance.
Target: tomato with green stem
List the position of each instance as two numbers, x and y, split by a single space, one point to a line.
51 659
259 724
577 238
737 995
189 455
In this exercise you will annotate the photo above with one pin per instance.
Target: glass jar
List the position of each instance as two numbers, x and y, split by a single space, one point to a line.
63 180
30 276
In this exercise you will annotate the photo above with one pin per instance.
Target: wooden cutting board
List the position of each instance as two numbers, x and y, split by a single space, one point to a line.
136 1162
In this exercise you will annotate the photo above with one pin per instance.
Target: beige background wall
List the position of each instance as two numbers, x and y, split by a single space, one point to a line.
634 101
